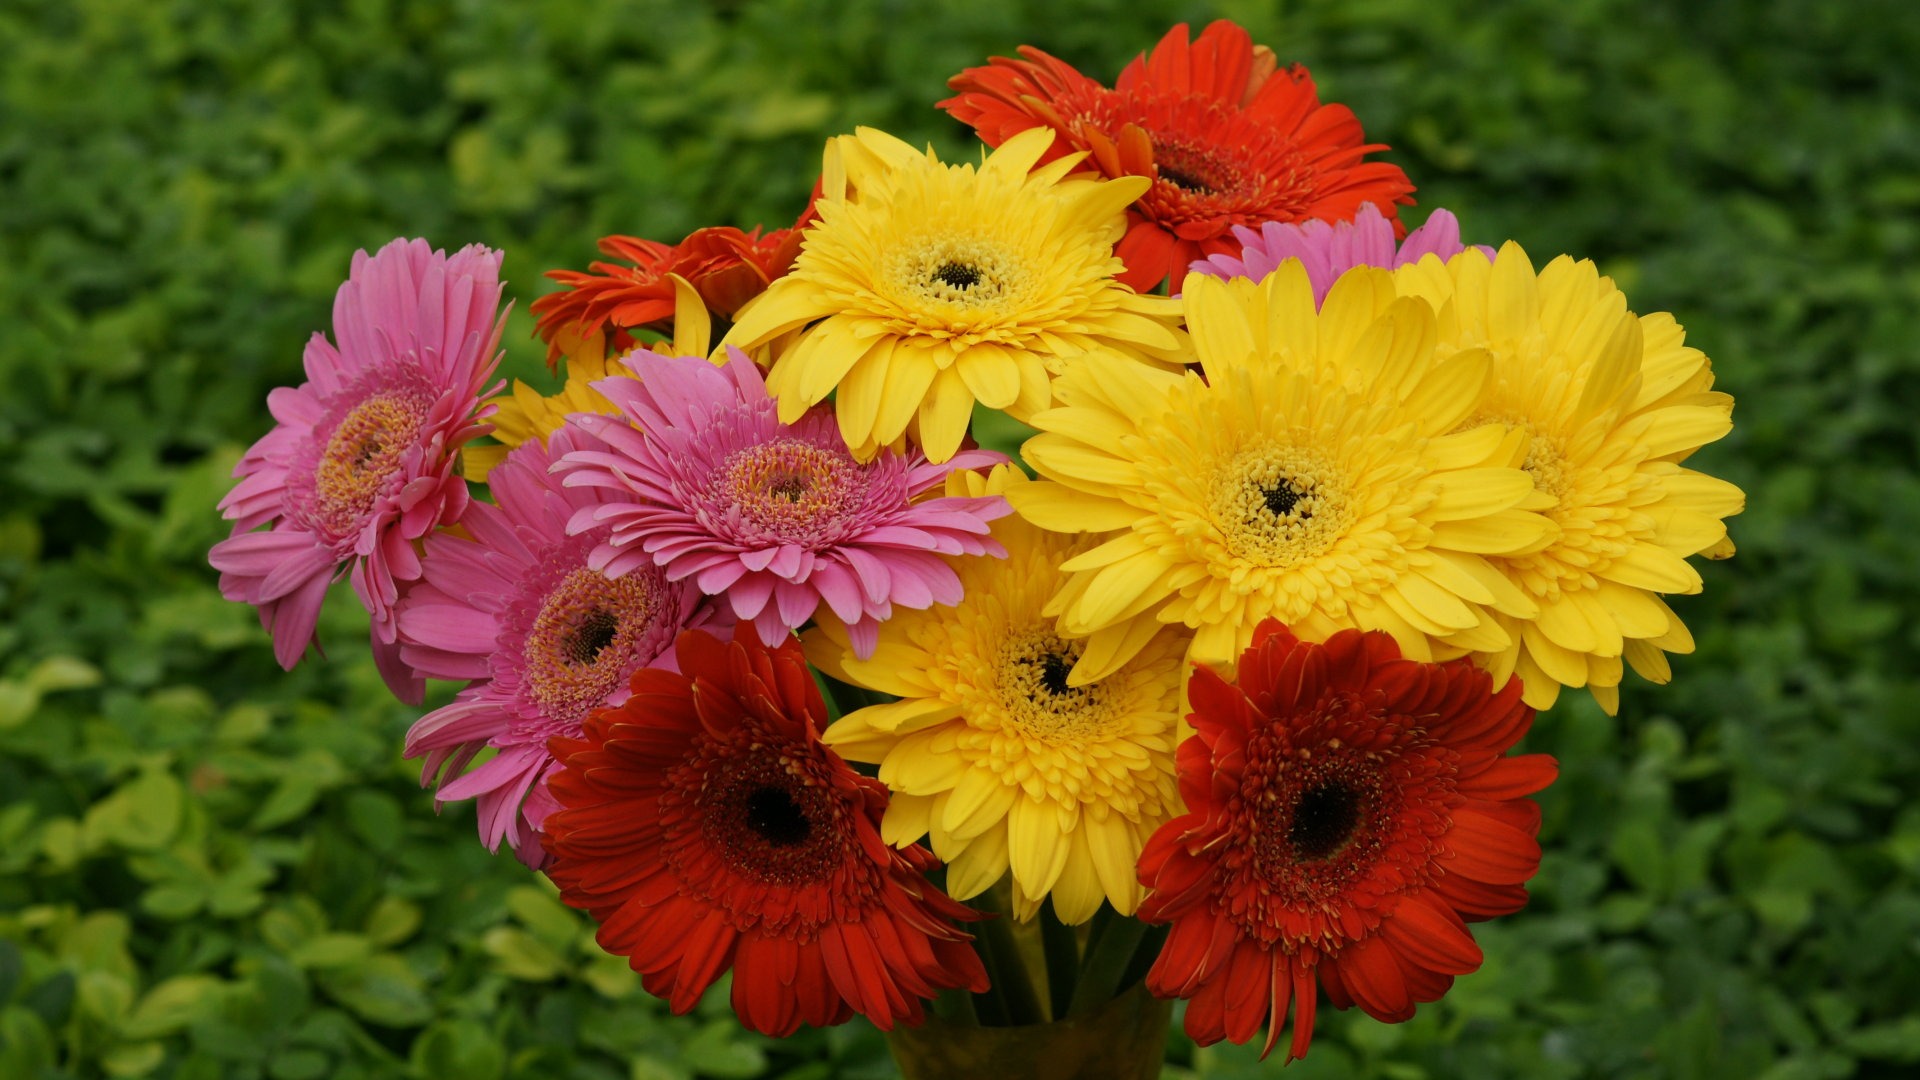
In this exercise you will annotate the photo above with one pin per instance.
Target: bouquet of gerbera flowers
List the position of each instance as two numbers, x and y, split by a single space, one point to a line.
1216 707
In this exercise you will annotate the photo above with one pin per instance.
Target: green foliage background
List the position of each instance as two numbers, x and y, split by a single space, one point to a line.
210 869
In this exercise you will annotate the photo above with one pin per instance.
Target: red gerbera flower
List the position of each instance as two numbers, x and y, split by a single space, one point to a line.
726 266
705 826
1349 812
1226 140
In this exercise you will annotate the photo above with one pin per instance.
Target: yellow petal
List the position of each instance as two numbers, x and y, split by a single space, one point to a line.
1451 391
906 819
1684 428
1113 589
1063 509
979 801
1436 605
1509 532
1114 847
1077 895
1563 665
1513 297
1645 566
1036 852
944 414
1474 493
975 869
915 768
1648 662
1057 457
1217 319
1107 650
991 374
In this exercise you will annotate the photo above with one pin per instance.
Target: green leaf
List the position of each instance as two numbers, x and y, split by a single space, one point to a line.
457 1049
143 815
519 955
20 697
172 1005
10 966
381 990
551 921
134 1059
392 921
1892 1040
332 950
648 1067
26 1046
722 1050
299 1064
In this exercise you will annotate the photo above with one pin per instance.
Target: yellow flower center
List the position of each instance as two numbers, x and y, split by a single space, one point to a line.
957 282
1035 696
1279 506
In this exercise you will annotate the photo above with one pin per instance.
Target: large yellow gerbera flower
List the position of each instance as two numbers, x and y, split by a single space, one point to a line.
992 753
1611 404
524 413
1313 475
938 285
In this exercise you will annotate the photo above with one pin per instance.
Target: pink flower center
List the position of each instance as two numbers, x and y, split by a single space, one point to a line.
362 455
588 636
792 488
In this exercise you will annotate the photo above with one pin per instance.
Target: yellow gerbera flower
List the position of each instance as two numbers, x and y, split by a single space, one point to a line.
990 751
936 286
1611 404
1313 475
524 413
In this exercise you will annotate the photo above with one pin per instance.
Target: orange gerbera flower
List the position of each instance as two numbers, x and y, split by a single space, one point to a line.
1349 812
1226 139
726 266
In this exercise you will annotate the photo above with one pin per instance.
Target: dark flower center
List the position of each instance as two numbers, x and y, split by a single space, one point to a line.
1324 820
778 820
594 633
957 275
1185 181
1053 673
1282 496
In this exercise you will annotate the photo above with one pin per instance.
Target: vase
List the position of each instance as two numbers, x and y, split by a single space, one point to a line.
1125 1040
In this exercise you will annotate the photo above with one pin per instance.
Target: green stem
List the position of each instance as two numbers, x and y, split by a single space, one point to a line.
990 1008
1144 954
1009 974
1106 965
956 1008
846 697
1061 944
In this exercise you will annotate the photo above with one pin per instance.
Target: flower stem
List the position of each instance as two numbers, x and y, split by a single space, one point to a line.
1010 982
1108 957
956 1008
1061 944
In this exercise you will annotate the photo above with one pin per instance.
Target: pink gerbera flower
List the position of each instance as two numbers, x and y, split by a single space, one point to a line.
776 517
361 464
544 638
1327 251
